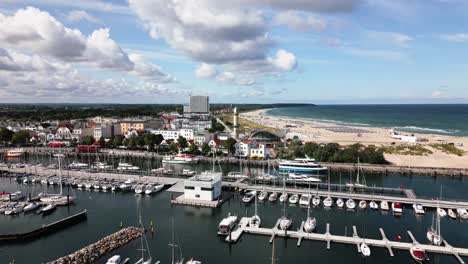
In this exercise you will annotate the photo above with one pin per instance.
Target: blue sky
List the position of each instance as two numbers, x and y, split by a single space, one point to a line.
161 51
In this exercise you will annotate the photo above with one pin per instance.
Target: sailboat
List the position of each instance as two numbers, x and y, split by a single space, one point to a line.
142 260
310 223
285 221
180 260
365 249
58 199
433 233
328 202
357 183
284 196
255 220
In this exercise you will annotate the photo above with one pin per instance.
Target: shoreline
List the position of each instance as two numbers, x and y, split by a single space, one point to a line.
331 132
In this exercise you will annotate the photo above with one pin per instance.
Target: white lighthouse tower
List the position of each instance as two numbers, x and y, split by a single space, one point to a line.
236 124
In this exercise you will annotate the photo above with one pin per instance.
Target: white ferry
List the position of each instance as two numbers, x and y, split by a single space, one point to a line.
180 159
300 165
14 153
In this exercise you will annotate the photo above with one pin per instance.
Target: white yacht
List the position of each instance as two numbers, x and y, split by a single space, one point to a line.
293 199
384 205
15 153
263 195
316 200
300 165
305 200
350 203
365 249
140 189
150 189
116 259
101 166
255 220
451 213
187 173
328 202
284 197
48 208
249 196
441 212
462 213
433 233
30 207
362 204
339 203
16 209
77 165
418 209
123 166
294 176
358 182
311 223
227 224
180 159
273 197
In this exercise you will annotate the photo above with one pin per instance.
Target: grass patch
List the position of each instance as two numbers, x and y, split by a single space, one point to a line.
414 150
449 149
247 125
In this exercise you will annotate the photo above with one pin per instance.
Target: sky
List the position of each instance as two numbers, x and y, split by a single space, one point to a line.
236 51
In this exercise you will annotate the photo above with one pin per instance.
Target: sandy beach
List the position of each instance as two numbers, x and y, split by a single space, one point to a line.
328 132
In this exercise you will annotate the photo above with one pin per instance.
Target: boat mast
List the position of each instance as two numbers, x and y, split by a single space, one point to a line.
358 168
273 260
256 205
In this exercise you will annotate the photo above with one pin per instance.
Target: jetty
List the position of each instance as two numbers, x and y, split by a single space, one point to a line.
355 239
93 252
45 229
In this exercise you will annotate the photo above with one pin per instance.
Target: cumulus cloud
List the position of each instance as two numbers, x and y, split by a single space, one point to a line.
40 33
458 37
299 21
205 71
149 71
80 15
284 60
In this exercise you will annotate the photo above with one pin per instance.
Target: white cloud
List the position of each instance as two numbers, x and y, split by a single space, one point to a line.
80 15
96 5
149 71
206 71
284 60
394 38
299 21
458 37
380 54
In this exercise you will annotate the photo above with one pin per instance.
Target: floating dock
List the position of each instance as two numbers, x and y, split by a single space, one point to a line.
355 239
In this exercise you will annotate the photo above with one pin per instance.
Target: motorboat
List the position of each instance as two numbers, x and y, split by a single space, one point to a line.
16 209
419 209
48 208
248 197
123 166
362 204
12 197
351 204
255 220
150 189
88 185
227 224
284 197
365 249
384 205
285 222
187 173
311 223
101 166
441 212
339 203
96 186
328 202
116 259
451 213
304 200
433 233
140 189
236 175
300 165
77 165
397 208
263 195
462 213
273 197
125 187
316 200
418 254
180 159
302 177
15 153
293 199
30 207
192 261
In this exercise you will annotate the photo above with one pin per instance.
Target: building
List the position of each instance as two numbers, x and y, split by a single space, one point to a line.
186 109
139 125
188 134
199 104
263 136
252 149
106 132
79 133
205 187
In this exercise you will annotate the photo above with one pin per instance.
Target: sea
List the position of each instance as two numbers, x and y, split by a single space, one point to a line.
443 119
195 228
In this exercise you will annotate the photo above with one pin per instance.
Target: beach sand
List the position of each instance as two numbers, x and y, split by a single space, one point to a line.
327 132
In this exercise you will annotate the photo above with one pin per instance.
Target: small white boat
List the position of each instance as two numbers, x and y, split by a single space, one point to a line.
227 224
418 254
248 197
441 212
304 200
114 260
285 222
127 167
311 223
462 213
316 200
18 208
384 205
30 207
255 220
397 208
294 199
284 197
273 197
187 173
451 213
125 187
339 203
192 261
419 209
140 189
328 202
350 204
365 250
48 208
150 189
362 204
262 196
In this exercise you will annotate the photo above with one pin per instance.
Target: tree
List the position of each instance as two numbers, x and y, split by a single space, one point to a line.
173 147
87 140
5 135
74 142
102 142
117 141
230 145
205 149
193 149
20 137
182 142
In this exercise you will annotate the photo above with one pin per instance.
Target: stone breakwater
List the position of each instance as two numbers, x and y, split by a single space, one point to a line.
104 246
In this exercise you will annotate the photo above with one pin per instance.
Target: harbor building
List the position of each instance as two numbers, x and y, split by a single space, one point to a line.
199 104
203 187
139 125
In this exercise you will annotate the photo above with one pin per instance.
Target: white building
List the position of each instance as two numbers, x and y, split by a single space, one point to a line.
199 104
206 187
188 134
252 149
63 133
199 139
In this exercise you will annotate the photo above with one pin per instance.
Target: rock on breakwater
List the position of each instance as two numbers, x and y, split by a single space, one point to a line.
102 247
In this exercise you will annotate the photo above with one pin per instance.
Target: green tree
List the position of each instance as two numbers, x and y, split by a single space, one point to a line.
140 140
117 141
230 145
5 135
182 142
87 140
193 149
74 142
20 137
206 149
173 147
102 142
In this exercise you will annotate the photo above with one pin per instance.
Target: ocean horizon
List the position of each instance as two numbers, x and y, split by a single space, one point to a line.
441 119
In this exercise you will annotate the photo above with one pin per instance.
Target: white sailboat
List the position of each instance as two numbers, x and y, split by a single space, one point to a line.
328 202
284 196
255 220
365 249
311 223
285 221
339 203
357 183
433 233
143 259
58 199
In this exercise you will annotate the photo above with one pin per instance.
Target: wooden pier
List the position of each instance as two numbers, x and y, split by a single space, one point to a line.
355 239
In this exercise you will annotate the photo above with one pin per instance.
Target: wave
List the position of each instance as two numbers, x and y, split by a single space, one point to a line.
429 130
323 120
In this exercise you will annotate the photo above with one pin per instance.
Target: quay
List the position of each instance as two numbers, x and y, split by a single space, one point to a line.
334 167
45 229
93 252
355 239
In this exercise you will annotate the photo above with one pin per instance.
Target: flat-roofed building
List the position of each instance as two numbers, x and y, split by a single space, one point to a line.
199 104
139 125
205 186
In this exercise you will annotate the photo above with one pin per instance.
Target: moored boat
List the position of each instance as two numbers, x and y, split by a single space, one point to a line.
418 254
397 208
365 249
350 204
227 224
373 205
418 209
293 199
384 205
